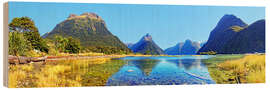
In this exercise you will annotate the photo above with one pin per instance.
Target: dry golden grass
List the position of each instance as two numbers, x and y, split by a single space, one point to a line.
15 78
63 73
250 69
17 75
55 76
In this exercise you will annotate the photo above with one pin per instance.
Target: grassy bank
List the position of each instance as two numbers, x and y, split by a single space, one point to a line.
231 69
63 73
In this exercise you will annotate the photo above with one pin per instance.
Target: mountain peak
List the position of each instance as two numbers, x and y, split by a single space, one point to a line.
146 46
91 15
72 15
229 20
223 32
89 28
85 15
188 41
147 37
229 16
188 47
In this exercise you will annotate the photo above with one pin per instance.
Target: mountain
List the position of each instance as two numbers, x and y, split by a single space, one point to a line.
233 36
187 48
225 30
202 43
92 32
147 46
45 35
129 45
249 40
175 50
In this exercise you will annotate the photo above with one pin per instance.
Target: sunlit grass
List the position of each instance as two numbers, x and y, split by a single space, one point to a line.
221 58
237 28
55 76
63 73
18 74
15 78
249 69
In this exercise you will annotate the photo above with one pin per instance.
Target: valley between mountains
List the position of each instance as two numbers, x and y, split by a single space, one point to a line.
81 51
230 36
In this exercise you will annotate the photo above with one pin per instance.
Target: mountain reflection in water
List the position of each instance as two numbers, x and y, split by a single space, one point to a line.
162 70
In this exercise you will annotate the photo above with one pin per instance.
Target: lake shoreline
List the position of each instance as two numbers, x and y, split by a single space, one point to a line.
248 68
98 70
65 56
16 59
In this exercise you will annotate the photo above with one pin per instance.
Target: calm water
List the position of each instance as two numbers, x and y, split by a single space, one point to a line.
162 70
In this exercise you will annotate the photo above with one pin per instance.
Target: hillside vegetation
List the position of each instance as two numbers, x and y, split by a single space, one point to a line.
91 31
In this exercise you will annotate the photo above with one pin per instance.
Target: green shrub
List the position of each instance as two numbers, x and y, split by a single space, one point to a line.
17 44
26 32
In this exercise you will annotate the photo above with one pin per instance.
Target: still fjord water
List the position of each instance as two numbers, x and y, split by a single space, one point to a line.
162 70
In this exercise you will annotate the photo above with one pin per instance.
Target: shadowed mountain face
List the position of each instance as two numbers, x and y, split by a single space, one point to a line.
232 36
90 29
146 46
248 40
222 33
186 48
202 43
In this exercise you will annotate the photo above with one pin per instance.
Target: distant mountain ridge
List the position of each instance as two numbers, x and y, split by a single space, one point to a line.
227 30
146 46
129 45
91 30
184 48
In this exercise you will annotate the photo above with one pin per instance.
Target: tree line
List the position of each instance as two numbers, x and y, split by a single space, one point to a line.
24 40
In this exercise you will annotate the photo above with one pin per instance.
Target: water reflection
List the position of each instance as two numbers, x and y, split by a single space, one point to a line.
162 71
145 65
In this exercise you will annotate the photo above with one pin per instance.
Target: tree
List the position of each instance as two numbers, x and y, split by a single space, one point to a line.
60 43
22 24
17 44
30 32
36 41
67 45
73 45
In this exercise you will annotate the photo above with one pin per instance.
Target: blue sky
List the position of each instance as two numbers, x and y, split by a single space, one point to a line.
168 24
